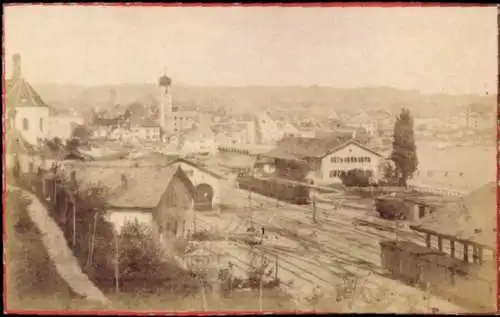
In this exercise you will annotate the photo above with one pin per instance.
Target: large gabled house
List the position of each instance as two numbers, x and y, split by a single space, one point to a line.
327 158
159 196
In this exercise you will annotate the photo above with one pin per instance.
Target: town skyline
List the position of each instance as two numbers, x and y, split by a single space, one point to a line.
267 46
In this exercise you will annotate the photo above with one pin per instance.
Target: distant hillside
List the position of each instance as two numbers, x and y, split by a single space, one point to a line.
312 100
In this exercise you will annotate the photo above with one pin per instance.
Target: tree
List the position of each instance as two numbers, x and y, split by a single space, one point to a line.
82 133
404 150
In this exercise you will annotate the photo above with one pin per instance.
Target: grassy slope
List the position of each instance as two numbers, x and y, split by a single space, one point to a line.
32 280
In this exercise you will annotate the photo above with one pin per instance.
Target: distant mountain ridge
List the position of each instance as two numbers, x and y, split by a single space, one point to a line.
313 100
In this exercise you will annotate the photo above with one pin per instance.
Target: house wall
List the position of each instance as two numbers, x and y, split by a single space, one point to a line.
118 217
178 121
34 117
335 163
174 215
198 177
146 133
60 126
203 145
269 130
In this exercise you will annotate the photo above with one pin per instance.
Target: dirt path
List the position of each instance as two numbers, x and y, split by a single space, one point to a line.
59 252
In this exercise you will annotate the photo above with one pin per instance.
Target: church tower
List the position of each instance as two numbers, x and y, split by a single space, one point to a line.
165 99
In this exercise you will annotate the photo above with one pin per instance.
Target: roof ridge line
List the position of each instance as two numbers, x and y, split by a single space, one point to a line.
30 93
13 88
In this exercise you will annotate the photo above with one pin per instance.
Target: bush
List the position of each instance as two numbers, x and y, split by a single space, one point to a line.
391 209
356 178
139 253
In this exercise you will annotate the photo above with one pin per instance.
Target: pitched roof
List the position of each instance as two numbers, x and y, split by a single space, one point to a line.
145 188
19 93
195 165
473 218
299 147
145 185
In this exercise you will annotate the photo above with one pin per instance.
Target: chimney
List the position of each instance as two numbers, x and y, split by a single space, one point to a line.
16 68
124 180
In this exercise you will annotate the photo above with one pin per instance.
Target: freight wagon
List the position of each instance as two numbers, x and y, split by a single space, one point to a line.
283 190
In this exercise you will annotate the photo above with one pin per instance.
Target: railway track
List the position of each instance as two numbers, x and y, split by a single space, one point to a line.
326 252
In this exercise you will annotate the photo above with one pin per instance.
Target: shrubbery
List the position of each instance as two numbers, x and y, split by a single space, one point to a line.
391 208
357 178
141 262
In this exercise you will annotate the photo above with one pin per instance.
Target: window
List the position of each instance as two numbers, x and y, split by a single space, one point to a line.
25 124
174 228
41 124
354 159
368 159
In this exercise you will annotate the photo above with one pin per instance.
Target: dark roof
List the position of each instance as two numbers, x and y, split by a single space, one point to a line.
294 147
472 218
145 185
19 93
144 189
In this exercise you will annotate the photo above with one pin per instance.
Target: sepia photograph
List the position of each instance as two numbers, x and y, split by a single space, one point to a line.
250 159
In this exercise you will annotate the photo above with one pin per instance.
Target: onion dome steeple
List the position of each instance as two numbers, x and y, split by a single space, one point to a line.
164 80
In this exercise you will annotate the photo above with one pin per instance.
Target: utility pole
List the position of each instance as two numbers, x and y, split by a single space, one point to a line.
313 196
117 263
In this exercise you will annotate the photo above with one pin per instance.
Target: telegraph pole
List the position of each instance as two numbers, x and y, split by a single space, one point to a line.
313 203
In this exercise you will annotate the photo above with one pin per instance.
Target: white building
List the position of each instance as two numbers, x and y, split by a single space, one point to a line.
473 120
148 130
26 110
61 126
364 121
329 158
196 142
268 131
348 156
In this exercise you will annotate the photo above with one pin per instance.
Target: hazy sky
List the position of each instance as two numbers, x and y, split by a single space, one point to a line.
452 50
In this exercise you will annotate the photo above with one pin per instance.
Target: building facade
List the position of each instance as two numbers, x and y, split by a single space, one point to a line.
60 126
330 157
26 110
349 157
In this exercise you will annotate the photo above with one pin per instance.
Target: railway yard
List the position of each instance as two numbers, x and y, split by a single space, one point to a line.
316 256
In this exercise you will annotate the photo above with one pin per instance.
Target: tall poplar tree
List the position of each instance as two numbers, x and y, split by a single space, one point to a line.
404 150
